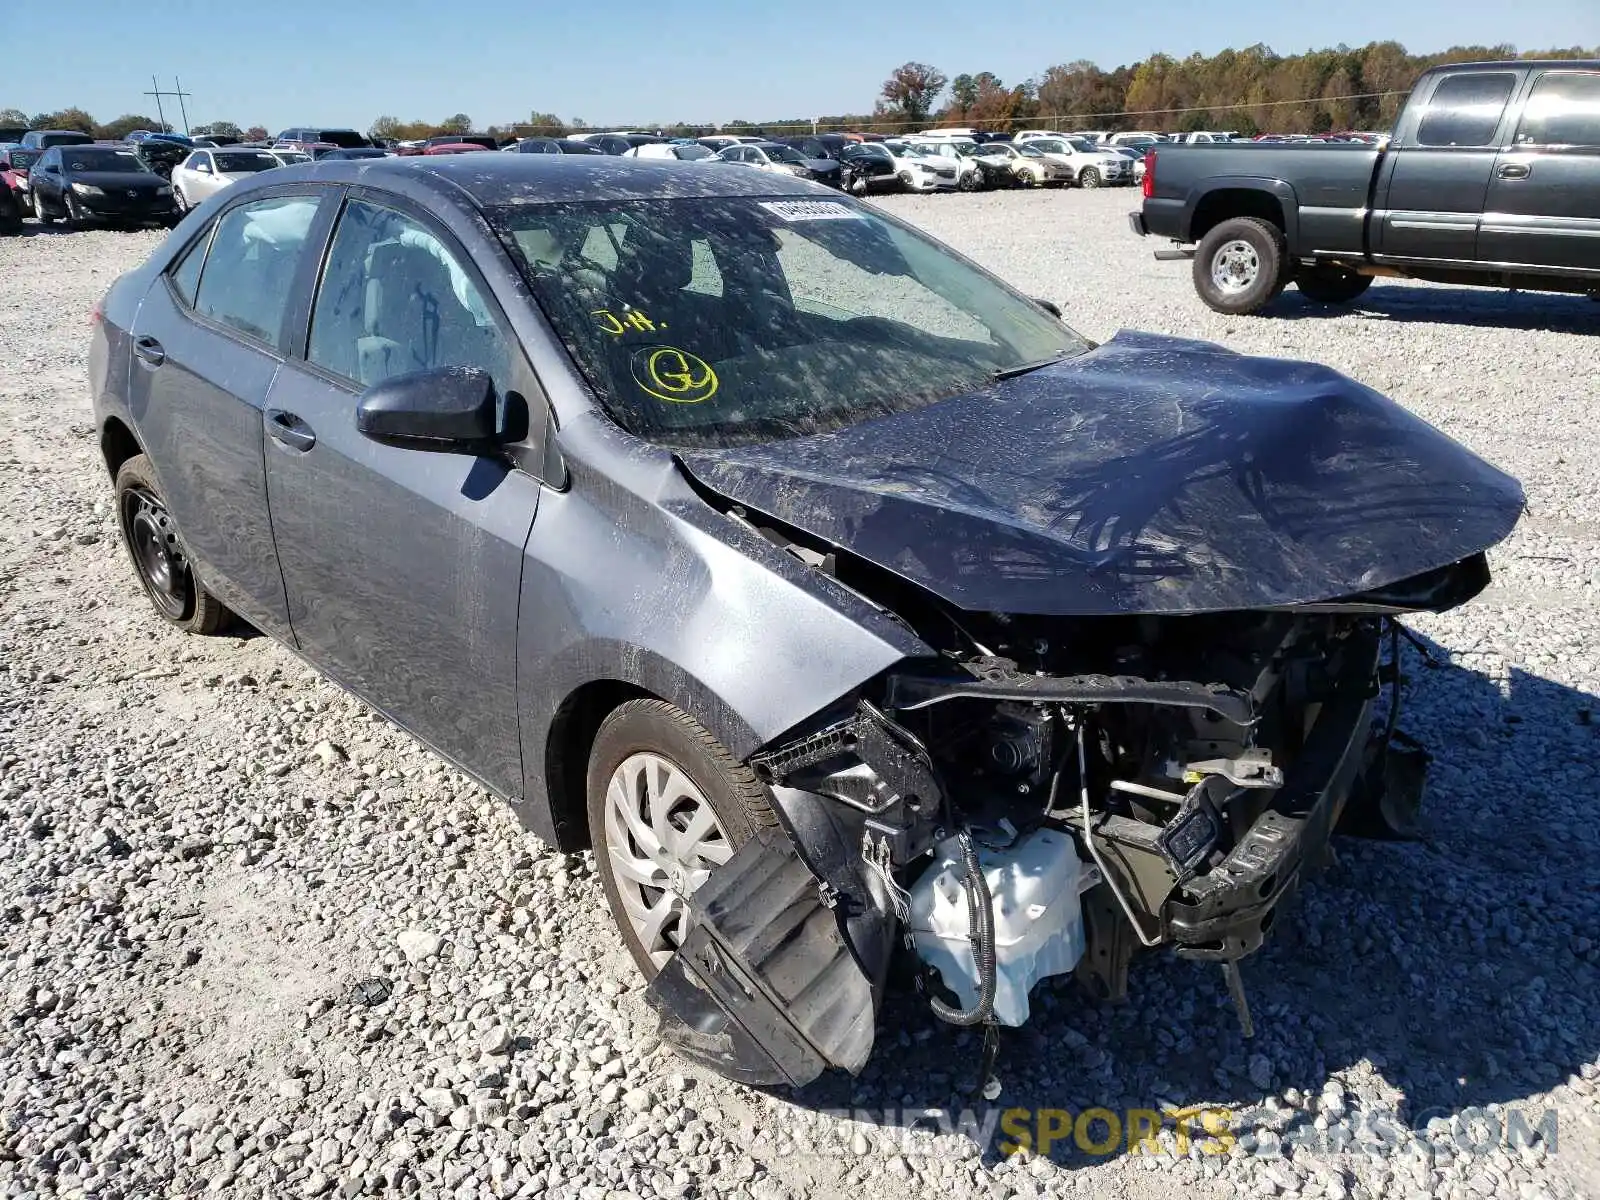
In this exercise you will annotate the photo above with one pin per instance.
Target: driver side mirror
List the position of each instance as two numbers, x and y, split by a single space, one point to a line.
450 410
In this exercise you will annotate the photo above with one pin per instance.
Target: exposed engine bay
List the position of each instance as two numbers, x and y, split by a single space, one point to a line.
1045 795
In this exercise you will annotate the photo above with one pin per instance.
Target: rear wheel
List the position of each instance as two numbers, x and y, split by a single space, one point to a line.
1239 266
667 805
1089 177
159 558
1331 285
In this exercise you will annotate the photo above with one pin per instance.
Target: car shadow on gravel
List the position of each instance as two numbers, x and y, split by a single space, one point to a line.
1424 978
1486 307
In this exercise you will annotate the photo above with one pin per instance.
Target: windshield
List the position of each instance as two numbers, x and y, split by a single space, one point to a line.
235 160
87 159
21 160
725 320
1028 150
291 156
784 154
1047 146
691 153
1083 145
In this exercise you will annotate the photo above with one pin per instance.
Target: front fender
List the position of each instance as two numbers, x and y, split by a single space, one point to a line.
654 589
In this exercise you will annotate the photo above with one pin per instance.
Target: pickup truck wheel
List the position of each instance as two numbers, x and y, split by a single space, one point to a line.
1239 266
159 558
667 805
1331 285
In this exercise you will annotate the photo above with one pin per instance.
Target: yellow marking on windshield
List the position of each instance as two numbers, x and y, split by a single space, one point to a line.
674 375
632 320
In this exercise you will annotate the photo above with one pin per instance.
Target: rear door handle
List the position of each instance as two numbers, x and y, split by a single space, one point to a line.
1515 171
148 351
290 430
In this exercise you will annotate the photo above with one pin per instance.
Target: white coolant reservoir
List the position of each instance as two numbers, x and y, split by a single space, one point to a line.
1038 924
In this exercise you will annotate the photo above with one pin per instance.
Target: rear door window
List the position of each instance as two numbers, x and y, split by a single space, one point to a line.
1465 110
1563 109
249 273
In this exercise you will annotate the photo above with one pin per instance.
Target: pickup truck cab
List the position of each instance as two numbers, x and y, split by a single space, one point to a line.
1492 178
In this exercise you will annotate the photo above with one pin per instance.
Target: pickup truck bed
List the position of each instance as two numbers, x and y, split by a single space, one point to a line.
1492 178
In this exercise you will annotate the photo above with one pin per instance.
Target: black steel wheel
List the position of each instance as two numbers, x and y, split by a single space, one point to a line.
159 558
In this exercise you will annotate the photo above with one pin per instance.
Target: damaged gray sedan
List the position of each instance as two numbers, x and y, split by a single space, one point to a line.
841 598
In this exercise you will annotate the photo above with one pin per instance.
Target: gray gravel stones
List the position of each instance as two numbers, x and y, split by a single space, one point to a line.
255 943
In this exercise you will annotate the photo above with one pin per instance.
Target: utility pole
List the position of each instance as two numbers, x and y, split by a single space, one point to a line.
161 117
181 109
179 95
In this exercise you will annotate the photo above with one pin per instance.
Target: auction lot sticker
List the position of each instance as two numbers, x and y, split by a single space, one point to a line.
810 210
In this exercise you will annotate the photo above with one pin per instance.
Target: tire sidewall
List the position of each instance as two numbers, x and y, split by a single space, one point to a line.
645 726
1089 178
1267 242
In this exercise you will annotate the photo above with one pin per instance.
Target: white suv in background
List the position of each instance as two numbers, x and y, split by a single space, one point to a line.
958 151
1090 165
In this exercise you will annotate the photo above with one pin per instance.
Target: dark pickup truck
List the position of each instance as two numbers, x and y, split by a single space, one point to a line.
1492 178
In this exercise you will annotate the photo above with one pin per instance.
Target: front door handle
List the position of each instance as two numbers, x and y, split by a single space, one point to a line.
290 430
148 351
1515 171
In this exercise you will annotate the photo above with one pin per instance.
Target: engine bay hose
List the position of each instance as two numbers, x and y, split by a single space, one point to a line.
980 924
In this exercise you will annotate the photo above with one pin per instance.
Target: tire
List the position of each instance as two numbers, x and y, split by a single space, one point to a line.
181 200
640 747
75 217
10 214
1239 266
39 213
1331 285
1089 177
1027 179
969 181
159 560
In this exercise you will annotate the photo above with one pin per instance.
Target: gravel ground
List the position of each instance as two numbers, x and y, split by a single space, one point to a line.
255 941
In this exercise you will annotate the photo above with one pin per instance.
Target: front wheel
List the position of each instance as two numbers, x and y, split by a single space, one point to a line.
1331 285
667 805
1089 177
159 558
1239 265
75 214
39 212
970 181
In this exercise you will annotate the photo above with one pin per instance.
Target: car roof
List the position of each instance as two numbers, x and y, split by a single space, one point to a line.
493 180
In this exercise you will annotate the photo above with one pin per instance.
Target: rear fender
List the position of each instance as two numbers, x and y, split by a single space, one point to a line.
1198 216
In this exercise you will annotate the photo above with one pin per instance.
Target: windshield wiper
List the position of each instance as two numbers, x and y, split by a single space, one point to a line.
1013 372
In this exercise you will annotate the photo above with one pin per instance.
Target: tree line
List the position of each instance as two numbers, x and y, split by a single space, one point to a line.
1252 90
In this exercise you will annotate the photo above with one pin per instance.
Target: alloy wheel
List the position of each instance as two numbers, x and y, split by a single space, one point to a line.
662 840
1235 266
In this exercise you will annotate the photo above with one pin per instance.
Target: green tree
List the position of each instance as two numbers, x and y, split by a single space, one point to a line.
387 128
13 116
910 91
217 128
541 124
67 118
458 123
256 133
126 124
963 94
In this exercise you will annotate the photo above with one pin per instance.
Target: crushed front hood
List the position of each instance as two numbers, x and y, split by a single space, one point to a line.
1151 475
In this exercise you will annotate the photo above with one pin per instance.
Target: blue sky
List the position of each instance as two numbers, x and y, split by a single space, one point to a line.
345 62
